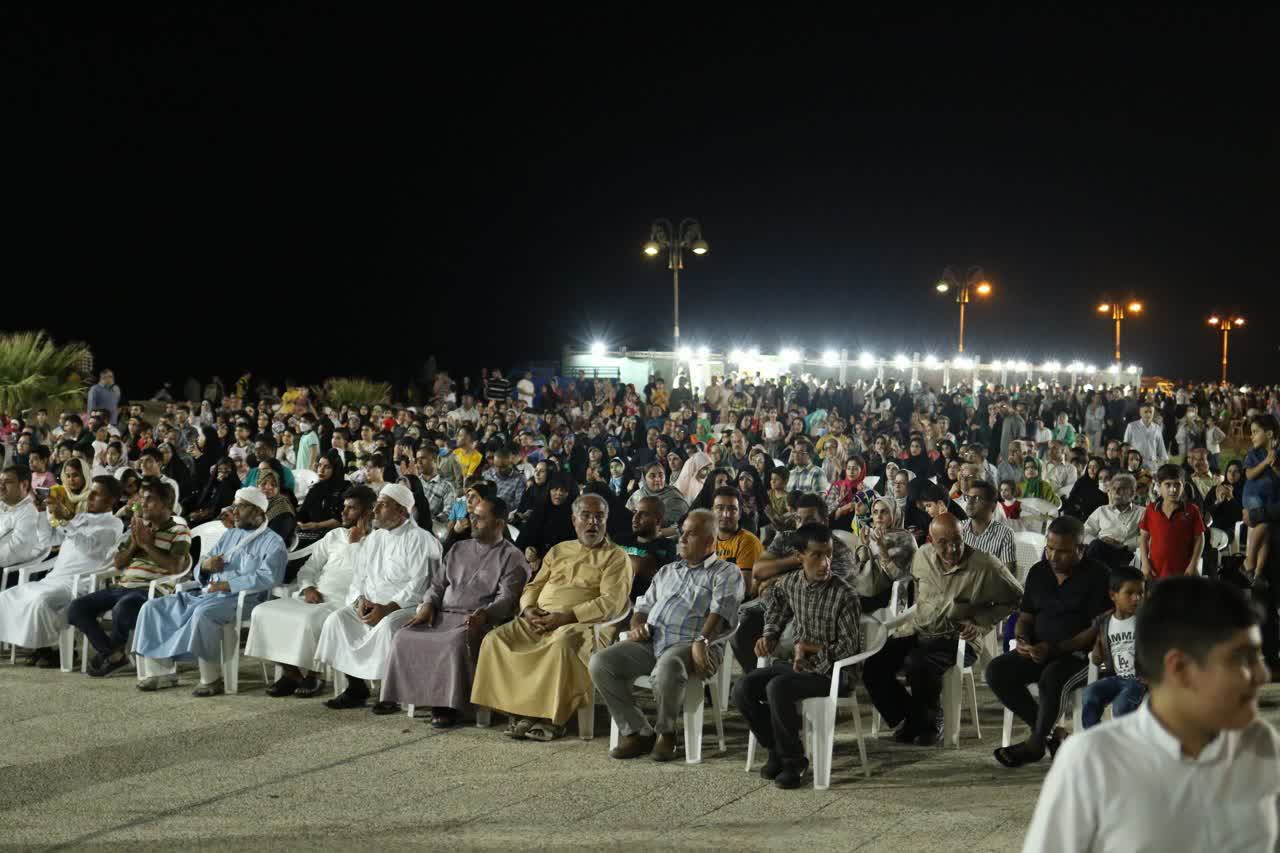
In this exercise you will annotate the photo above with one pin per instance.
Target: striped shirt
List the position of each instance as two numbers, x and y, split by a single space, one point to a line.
996 540
440 494
175 539
828 613
682 596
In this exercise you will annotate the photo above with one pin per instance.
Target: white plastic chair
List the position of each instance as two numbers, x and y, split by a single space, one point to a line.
1238 542
847 537
514 531
230 646
1071 700
953 691
1039 511
819 713
303 480
694 702
870 482
1028 548
152 589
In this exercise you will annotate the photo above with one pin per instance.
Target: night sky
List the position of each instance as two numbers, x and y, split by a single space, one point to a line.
303 200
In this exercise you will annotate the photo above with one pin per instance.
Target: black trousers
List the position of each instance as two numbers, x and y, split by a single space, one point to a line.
743 643
925 662
767 699
1111 556
1009 675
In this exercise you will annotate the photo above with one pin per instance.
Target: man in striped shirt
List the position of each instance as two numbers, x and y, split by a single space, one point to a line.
982 531
157 548
827 615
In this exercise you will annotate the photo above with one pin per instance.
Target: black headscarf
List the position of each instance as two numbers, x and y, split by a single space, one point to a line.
324 499
550 524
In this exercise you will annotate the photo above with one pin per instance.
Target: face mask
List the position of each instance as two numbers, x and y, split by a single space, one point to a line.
305 427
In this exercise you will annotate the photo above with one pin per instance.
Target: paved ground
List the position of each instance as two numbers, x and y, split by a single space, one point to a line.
94 763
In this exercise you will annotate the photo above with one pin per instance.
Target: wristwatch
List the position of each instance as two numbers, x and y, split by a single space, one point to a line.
701 639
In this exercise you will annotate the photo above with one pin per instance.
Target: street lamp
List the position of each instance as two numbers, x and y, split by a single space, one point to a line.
1117 311
1227 324
975 282
663 235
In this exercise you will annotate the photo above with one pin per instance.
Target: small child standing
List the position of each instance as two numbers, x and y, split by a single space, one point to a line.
1114 652
1262 488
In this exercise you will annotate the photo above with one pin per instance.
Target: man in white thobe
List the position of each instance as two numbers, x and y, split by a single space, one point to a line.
24 536
392 572
287 630
1147 437
32 614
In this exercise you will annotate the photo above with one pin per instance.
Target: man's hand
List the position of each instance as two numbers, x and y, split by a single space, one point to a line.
532 613
228 518
143 534
477 619
969 631
374 614
701 659
800 657
219 586
530 555
215 563
1112 541
549 622
640 633
426 615
357 533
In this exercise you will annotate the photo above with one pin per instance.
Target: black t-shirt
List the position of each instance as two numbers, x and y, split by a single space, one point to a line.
1063 610
662 550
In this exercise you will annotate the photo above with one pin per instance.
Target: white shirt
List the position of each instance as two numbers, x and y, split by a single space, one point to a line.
1061 475
1213 439
524 390
1149 441
396 565
24 535
1125 787
1107 521
1120 633
88 543
331 566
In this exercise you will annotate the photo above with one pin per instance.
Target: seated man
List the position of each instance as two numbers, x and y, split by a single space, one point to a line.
647 549
1111 532
1065 593
828 618
783 556
1059 470
157 547
250 558
32 614
983 530
690 603
24 536
392 571
960 593
534 668
433 660
287 630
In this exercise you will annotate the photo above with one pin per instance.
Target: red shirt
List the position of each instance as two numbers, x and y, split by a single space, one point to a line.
1172 537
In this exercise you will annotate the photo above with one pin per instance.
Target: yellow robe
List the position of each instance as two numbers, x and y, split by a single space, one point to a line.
527 674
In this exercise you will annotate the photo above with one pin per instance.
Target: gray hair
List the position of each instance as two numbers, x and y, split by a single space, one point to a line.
577 504
704 517
1123 480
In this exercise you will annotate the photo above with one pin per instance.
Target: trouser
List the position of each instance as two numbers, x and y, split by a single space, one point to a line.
615 669
1124 695
750 629
925 661
767 699
1009 674
124 605
1111 556
210 670
1267 593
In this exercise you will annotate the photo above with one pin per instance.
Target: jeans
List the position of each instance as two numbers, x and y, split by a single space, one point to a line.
124 605
1009 674
1124 695
925 662
615 669
767 699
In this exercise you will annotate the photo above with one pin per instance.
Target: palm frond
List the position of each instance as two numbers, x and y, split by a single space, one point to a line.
36 371
354 391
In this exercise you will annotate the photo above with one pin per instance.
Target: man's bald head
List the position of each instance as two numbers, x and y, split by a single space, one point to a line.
947 541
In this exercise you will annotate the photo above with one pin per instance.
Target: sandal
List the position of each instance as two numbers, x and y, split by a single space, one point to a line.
1013 756
546 732
309 687
518 728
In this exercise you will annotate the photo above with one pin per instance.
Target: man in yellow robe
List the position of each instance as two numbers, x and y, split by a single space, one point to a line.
534 668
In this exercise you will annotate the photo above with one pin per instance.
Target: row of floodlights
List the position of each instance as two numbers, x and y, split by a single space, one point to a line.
831 358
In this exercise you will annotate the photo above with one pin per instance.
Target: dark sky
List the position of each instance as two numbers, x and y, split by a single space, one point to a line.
350 198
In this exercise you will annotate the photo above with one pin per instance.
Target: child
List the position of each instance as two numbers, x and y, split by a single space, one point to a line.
1114 651
1262 488
1194 768
1010 507
1213 438
1171 530
779 512
41 476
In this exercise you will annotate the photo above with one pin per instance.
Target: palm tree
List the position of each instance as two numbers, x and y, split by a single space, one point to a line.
35 371
352 391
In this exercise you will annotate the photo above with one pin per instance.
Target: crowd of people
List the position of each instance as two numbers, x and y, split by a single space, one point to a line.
484 549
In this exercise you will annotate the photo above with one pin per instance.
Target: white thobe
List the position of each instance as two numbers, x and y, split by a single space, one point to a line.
1062 476
1125 787
32 614
24 535
287 630
1149 441
395 566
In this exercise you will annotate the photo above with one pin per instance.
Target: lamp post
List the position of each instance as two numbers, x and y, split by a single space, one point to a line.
975 282
1226 324
663 235
1117 311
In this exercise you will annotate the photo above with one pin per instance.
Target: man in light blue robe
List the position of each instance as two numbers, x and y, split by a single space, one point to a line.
249 559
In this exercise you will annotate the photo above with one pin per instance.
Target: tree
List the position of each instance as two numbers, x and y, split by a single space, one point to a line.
35 371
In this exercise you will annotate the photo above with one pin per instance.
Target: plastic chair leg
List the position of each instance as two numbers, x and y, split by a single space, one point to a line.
694 705
409 711
484 717
614 734
230 659
875 722
1006 736
862 746
67 649
822 726
751 750
587 720
973 704
84 656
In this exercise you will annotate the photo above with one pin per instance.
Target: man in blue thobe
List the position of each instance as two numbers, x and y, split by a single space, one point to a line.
249 559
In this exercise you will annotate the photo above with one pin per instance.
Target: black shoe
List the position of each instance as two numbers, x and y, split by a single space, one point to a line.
443 718
382 709
929 736
100 667
283 687
907 732
308 687
346 699
772 767
791 776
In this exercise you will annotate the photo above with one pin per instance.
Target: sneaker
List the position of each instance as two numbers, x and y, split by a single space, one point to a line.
664 748
772 767
206 690
157 682
100 667
382 709
346 700
791 776
633 746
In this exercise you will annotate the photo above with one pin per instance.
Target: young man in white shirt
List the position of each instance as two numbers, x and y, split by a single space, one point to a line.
1194 768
